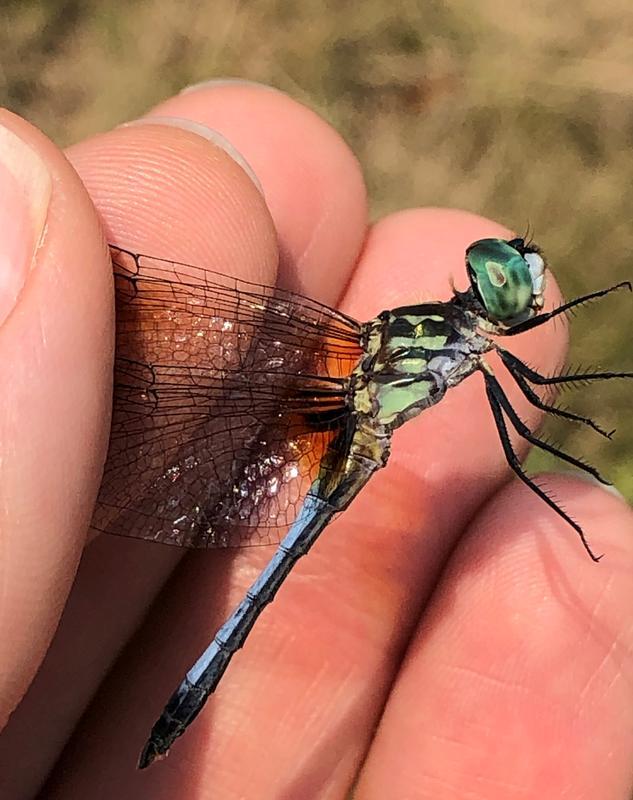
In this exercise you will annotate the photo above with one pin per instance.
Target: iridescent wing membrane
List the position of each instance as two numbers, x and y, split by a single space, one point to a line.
230 400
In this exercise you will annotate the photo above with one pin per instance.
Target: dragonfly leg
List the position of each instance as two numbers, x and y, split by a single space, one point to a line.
515 364
523 430
541 319
518 372
498 404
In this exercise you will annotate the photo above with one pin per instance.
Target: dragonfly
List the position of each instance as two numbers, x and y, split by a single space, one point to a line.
247 414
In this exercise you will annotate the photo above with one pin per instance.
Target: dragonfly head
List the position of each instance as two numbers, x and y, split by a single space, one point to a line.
507 279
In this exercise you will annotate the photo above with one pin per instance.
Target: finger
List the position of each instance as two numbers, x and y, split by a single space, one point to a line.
345 613
312 183
519 681
413 257
166 190
55 373
161 191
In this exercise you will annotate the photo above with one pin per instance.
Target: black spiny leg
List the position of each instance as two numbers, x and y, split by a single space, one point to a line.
523 430
518 370
541 319
515 364
498 404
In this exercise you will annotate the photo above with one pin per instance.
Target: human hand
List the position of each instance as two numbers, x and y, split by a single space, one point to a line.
501 667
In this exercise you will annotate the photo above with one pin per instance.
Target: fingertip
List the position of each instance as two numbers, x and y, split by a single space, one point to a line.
55 373
519 526
526 644
312 181
168 191
411 255
213 136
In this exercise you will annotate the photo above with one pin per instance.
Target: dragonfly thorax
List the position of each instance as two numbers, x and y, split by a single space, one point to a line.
415 353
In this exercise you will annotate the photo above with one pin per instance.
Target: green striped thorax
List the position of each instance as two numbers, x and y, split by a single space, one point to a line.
507 278
415 353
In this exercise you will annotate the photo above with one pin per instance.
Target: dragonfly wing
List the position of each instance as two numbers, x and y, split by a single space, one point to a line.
229 398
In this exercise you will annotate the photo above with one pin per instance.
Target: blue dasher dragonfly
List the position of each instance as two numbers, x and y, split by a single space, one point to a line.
249 414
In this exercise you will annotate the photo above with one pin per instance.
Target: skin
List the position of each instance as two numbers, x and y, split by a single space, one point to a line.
447 637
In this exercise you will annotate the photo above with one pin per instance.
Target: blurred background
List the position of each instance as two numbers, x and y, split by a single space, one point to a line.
522 112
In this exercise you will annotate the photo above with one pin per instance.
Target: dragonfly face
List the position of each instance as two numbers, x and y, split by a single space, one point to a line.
507 280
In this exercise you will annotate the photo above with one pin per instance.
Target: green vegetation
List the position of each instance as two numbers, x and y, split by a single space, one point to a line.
518 111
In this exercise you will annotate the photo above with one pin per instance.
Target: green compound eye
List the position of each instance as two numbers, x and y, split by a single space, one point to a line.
507 277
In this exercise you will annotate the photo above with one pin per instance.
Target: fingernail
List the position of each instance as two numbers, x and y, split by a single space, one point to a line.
25 191
583 476
215 82
207 133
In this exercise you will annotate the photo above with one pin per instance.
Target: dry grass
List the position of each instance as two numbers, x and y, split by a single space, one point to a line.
517 111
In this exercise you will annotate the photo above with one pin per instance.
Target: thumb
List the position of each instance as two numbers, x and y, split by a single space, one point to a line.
56 323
